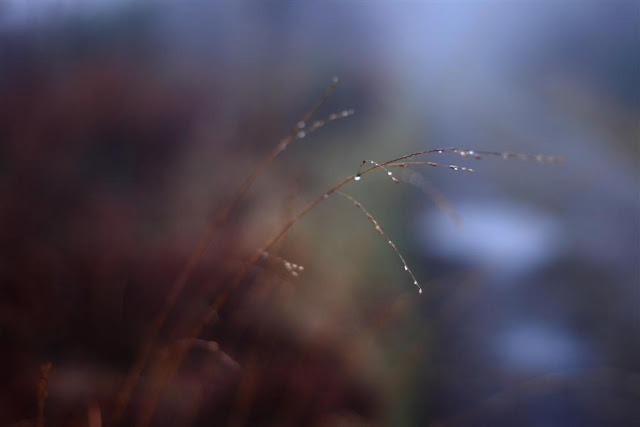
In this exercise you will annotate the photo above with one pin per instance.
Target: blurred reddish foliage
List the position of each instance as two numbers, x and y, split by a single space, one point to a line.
88 158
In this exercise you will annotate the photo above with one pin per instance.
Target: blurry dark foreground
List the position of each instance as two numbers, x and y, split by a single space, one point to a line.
101 206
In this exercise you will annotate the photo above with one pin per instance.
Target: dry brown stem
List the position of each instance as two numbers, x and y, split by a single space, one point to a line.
220 300
126 391
43 385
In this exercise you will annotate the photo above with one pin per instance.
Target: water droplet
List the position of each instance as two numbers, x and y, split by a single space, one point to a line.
415 282
389 173
455 168
335 80
301 125
301 134
420 291
325 196
471 153
357 177
406 268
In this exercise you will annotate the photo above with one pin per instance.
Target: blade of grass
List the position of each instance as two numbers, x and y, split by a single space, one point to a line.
220 300
380 232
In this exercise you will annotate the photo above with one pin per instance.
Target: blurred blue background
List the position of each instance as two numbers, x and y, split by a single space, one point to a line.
125 125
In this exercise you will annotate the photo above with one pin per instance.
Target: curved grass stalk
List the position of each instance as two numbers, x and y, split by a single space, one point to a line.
221 299
380 232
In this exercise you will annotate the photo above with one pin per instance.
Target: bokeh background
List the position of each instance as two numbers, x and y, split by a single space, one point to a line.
125 126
